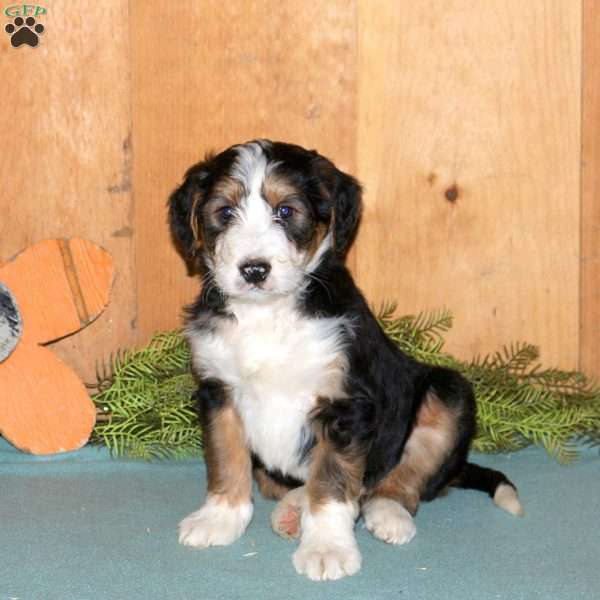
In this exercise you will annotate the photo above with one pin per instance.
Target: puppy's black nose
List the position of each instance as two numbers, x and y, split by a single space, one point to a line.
255 271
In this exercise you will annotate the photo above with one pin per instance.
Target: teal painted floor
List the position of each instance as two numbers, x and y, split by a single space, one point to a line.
82 526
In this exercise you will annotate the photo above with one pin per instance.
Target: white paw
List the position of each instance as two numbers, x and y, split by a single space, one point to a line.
328 547
215 524
321 561
285 519
389 521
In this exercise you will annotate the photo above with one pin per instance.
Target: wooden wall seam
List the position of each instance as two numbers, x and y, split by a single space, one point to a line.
132 189
589 330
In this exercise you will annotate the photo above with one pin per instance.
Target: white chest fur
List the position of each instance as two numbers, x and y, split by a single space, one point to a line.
276 363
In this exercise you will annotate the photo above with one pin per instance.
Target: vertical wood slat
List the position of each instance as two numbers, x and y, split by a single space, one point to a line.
589 332
282 70
463 124
65 123
468 144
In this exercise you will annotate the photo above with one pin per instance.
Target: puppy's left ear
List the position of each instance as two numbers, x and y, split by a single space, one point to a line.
183 208
344 205
347 208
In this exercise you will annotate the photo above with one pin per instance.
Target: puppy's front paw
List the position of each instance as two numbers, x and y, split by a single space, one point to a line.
215 524
389 521
320 560
285 519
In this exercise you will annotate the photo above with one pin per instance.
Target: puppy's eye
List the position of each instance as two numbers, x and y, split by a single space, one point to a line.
226 213
284 212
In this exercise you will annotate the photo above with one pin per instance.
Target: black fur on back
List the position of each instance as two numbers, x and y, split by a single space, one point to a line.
384 383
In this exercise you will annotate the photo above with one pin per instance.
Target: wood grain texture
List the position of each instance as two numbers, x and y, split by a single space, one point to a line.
65 163
60 287
462 119
468 144
223 73
590 194
92 268
44 407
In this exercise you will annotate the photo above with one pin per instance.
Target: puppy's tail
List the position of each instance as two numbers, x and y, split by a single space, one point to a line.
502 491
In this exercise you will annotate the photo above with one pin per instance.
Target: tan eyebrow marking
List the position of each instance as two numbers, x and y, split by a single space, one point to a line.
230 189
276 188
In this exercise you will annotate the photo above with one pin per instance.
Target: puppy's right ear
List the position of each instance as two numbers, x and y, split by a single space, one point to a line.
185 207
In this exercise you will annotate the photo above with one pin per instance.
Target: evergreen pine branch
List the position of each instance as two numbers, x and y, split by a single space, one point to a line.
145 410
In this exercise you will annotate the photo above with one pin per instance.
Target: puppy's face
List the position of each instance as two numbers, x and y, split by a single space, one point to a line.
263 214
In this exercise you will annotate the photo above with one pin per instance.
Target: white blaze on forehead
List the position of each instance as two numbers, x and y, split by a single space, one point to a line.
251 163
250 169
249 157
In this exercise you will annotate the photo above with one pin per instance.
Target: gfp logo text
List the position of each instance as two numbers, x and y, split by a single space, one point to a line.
24 10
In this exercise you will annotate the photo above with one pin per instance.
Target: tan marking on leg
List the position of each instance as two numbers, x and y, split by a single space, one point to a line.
335 474
228 508
269 488
432 438
328 548
227 458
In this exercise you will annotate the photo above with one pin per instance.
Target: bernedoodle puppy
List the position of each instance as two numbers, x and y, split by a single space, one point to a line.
299 386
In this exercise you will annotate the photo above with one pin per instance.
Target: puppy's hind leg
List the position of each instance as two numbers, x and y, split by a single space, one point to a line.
388 520
429 451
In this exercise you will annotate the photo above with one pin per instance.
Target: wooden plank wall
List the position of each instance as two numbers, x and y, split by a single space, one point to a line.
65 124
463 121
468 143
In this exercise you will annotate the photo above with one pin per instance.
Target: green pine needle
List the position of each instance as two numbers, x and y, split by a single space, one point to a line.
145 408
